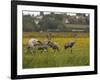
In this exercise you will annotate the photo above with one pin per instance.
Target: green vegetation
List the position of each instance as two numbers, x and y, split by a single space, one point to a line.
79 56
55 22
64 28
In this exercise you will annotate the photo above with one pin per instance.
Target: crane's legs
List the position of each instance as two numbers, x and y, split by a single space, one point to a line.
71 50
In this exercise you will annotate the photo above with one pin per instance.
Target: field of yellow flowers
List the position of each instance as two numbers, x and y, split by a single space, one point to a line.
79 56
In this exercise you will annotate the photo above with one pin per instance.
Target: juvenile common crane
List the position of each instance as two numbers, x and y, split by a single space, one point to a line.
42 46
53 45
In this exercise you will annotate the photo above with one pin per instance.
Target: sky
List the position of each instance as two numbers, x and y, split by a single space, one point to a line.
38 13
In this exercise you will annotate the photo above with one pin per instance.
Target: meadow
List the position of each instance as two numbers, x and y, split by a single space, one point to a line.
62 58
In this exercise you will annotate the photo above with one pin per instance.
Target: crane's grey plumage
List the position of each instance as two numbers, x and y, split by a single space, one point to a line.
70 44
42 46
53 45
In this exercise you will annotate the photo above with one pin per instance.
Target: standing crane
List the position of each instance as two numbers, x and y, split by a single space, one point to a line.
70 44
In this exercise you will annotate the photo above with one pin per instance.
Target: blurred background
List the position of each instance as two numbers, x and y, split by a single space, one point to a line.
40 21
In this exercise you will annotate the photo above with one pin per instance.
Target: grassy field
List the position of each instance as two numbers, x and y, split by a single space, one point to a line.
79 56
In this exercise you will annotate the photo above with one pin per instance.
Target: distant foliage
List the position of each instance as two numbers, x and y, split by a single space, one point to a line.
53 22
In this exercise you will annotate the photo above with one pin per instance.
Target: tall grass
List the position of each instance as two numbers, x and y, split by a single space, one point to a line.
79 56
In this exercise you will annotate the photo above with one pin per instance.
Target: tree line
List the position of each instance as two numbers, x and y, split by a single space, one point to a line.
53 22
